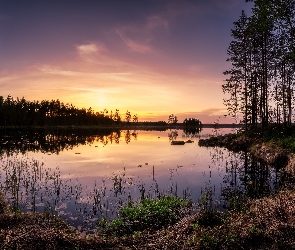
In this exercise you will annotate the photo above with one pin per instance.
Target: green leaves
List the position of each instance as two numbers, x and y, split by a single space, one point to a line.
147 215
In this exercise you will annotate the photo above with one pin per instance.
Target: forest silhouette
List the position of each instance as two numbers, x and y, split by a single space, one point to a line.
20 112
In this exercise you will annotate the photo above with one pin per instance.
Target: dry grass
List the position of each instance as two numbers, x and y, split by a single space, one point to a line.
267 223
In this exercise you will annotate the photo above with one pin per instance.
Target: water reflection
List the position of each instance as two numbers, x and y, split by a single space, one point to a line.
85 181
53 140
56 140
245 177
30 186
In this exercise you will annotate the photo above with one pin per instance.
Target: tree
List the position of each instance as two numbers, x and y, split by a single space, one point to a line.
128 116
117 117
20 112
192 122
172 119
260 83
135 118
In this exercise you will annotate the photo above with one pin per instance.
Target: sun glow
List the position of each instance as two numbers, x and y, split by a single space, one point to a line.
149 66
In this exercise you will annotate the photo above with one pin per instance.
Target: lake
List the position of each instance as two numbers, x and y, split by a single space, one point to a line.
85 175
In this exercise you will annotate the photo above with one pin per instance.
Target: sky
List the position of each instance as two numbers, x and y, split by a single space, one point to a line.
151 57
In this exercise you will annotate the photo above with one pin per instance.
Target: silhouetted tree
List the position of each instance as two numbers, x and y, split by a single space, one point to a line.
260 82
128 116
192 122
135 118
20 112
172 119
117 117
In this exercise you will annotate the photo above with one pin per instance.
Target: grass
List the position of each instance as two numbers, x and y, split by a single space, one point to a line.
265 223
148 215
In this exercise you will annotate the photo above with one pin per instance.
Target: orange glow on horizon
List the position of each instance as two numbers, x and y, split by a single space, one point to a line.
152 58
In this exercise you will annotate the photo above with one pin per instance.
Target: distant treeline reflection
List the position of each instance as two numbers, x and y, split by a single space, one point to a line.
54 140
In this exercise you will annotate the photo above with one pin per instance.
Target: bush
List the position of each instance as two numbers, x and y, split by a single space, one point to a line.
147 215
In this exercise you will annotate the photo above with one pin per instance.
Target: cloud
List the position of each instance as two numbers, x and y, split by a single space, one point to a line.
210 115
49 69
87 48
134 46
138 37
98 90
87 51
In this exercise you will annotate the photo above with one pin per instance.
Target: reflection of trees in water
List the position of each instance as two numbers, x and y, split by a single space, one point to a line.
246 177
127 136
172 135
54 141
191 132
188 132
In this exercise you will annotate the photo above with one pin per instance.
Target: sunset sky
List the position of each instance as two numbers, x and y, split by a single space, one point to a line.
151 57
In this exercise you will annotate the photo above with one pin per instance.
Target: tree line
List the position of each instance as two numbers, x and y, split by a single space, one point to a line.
260 82
20 112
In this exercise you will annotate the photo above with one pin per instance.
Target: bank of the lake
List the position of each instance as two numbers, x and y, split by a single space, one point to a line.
266 223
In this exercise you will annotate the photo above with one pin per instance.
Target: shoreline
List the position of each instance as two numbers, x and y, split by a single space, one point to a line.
125 126
270 153
265 223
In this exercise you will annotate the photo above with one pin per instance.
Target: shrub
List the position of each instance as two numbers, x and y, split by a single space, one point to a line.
147 215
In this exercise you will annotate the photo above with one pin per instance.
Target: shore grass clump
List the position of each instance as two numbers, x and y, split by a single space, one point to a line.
148 215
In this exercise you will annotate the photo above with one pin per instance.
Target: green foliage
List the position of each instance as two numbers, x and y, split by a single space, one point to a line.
117 227
216 240
196 226
208 241
253 230
206 200
147 215
232 239
281 136
137 234
235 203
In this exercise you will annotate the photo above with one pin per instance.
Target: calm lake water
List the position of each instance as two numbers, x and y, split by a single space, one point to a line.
83 177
